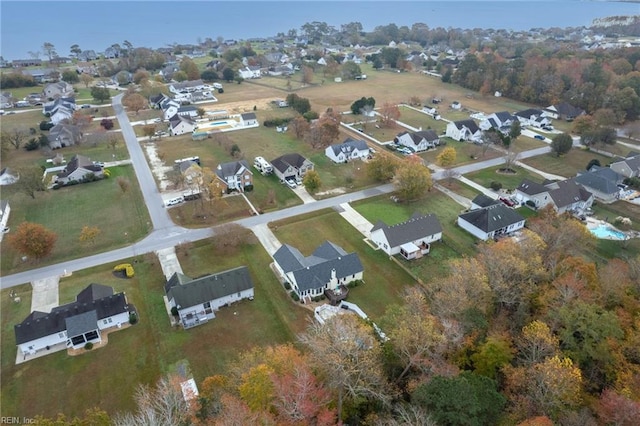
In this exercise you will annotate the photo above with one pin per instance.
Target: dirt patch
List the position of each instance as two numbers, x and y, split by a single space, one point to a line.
336 191
157 166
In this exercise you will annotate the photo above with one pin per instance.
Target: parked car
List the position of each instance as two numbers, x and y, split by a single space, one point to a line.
507 201
99 163
539 137
174 201
85 106
291 183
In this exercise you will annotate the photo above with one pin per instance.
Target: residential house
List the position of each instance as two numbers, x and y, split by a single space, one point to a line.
63 135
73 325
236 176
8 177
181 124
249 119
628 167
491 221
20 63
456 105
481 201
564 196
329 268
6 100
291 166
418 141
42 75
350 149
87 56
79 169
197 300
602 182
563 111
498 120
533 117
463 130
188 111
155 101
188 86
169 108
5 210
61 89
412 238
59 109
249 72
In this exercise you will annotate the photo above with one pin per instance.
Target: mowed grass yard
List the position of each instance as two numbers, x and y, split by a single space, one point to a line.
384 281
567 165
121 217
509 181
107 377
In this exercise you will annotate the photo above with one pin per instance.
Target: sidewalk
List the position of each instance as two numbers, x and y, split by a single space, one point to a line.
355 219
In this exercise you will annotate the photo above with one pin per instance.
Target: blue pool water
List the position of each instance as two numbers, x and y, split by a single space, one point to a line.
607 233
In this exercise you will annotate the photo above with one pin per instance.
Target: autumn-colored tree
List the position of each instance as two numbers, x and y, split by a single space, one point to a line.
412 179
307 74
299 126
141 76
447 157
81 119
416 336
382 167
149 130
616 282
86 79
536 343
134 101
615 409
346 349
88 234
492 355
257 389
123 183
389 113
15 137
92 417
231 236
311 181
33 240
325 131
190 68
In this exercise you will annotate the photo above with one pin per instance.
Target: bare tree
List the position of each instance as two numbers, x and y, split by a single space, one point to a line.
15 137
510 160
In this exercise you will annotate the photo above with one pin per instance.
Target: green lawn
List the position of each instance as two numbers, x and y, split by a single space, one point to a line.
121 217
465 152
508 181
420 120
384 280
567 165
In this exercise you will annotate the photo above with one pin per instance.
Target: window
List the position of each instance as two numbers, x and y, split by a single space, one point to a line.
110 321
104 321
207 305
238 294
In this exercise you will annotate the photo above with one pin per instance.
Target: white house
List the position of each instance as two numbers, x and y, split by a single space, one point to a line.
412 238
249 72
491 221
61 89
196 300
180 125
5 210
249 119
188 86
563 196
463 130
350 149
418 141
498 120
73 325
78 169
327 269
629 166
533 117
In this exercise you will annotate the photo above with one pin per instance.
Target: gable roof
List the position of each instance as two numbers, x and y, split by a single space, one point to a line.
283 162
248 116
416 227
232 168
530 187
492 218
177 119
528 113
504 116
41 324
568 192
82 323
469 124
349 145
483 200
190 292
602 182
79 162
316 270
568 110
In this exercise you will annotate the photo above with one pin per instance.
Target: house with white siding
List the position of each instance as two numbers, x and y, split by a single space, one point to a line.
197 300
412 238
350 149
491 222
564 196
464 130
97 308
79 169
418 141
181 124
629 166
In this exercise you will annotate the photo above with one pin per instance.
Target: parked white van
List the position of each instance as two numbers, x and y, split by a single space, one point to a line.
262 165
174 201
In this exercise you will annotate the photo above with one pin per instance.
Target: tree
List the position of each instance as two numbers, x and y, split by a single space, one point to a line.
561 144
209 75
228 74
311 181
31 180
149 130
412 179
141 76
345 349
307 74
515 130
134 102
231 236
70 76
389 113
351 70
325 131
201 112
190 68
106 123
75 50
447 157
15 137
180 76
123 183
536 343
358 107
86 79
100 94
382 167
33 240
616 409
299 126
492 355
441 397
299 104
88 234
49 50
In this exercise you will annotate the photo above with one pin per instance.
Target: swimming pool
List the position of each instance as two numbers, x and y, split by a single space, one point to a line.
606 232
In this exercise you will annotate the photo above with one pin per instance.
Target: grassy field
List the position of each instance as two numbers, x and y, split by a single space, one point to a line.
465 152
384 280
508 181
142 353
567 165
121 217
419 120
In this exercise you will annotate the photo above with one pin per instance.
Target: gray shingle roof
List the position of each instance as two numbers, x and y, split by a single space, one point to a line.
418 226
232 168
82 323
349 145
41 324
190 292
601 179
469 124
315 271
568 192
248 116
283 162
531 188
492 218
484 201
528 113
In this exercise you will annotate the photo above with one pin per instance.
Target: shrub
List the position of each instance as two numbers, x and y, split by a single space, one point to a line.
275 122
310 115
287 286
496 186
248 188
45 125
294 296
174 311
531 204
88 346
133 318
32 145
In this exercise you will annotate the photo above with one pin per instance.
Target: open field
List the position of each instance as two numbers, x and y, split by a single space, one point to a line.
508 181
420 120
121 217
567 165
384 280
466 152
142 353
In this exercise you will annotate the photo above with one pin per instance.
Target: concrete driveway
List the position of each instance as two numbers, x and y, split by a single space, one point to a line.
268 240
302 193
45 295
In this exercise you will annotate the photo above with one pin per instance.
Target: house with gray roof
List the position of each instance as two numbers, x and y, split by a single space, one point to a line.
481 201
628 167
412 238
602 182
197 300
327 269
235 176
61 89
79 169
563 111
536 193
350 149
96 309
291 166
533 117
491 222
181 124
464 130
498 120
563 196
418 141
63 135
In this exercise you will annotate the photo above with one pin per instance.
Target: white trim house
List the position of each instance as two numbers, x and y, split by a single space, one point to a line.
491 222
196 300
350 149
464 130
418 141
412 238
